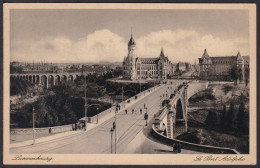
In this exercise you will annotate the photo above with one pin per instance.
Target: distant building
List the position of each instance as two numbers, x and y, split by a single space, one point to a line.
219 68
181 66
145 68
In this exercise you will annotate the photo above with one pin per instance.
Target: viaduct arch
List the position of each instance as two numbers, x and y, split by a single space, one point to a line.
50 79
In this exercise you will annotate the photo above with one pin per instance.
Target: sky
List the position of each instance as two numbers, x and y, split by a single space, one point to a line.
94 35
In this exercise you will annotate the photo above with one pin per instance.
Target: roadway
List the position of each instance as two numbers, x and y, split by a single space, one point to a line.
98 139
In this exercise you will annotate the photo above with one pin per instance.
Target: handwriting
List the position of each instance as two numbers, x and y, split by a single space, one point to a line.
21 157
218 158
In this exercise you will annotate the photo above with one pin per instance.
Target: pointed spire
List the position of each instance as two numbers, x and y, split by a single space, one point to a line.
131 32
131 41
161 54
205 54
239 57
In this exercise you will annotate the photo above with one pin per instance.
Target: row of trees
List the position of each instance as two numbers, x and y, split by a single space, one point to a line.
236 74
230 120
60 106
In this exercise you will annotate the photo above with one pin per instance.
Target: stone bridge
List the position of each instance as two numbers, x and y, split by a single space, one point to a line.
172 119
49 79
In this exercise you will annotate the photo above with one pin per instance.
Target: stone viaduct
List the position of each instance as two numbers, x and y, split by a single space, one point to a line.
49 79
172 119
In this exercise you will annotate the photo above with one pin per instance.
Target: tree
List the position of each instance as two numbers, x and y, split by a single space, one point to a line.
234 74
241 118
211 120
230 117
223 118
246 76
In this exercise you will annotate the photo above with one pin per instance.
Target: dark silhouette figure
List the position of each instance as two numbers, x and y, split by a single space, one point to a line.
125 111
179 147
140 110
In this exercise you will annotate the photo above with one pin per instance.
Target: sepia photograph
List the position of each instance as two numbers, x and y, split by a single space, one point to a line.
167 83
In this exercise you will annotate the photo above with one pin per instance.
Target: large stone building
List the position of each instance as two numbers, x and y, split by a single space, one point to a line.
219 68
136 68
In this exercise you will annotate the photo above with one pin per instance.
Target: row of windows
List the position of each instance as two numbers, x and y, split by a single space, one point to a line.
146 72
223 62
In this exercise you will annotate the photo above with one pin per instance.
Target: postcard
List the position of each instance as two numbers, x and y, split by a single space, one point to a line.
129 84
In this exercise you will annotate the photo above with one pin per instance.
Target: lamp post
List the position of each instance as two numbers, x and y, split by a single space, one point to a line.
33 128
111 130
146 116
114 126
97 114
88 106
85 106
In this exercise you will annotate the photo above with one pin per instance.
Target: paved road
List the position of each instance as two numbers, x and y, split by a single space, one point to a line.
98 140
146 143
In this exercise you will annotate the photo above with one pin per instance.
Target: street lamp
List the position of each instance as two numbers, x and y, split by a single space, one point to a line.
85 103
146 116
33 128
114 124
111 130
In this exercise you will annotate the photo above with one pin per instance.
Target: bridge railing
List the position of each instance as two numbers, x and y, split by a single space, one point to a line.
157 133
122 104
192 146
44 130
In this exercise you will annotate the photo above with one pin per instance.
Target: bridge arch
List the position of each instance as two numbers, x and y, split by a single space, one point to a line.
44 81
179 110
30 78
34 79
38 79
70 77
57 80
51 80
63 78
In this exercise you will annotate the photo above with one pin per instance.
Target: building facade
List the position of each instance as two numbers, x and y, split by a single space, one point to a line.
219 68
136 68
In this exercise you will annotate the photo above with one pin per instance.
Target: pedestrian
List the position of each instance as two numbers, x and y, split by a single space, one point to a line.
140 110
179 147
49 130
125 111
72 127
173 147
176 148
133 111
76 127
144 105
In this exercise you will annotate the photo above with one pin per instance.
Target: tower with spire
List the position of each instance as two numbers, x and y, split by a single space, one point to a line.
130 60
240 65
147 68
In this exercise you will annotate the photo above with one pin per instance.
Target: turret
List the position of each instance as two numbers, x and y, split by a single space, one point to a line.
162 54
205 54
132 56
240 65
239 57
